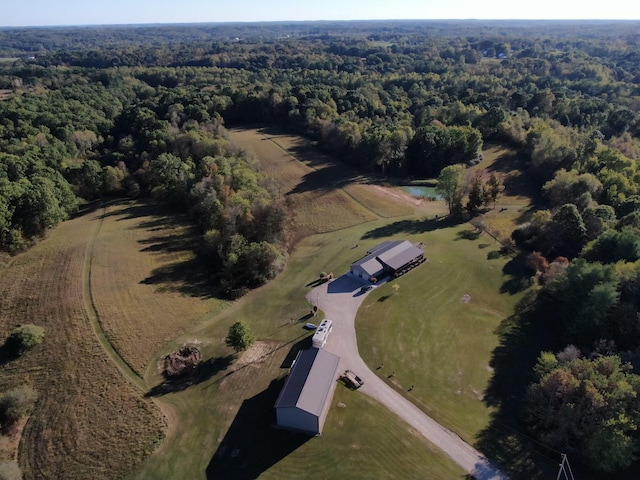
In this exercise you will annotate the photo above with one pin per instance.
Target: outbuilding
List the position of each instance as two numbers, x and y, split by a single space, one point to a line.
387 258
304 401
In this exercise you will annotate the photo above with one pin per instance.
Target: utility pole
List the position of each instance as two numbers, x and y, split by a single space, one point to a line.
565 468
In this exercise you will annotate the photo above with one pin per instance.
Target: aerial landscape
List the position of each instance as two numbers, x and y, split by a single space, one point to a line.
331 241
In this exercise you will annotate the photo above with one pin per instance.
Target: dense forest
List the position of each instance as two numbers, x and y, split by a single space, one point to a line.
93 112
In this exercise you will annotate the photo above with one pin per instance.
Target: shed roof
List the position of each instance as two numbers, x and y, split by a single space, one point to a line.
370 263
401 254
309 382
395 254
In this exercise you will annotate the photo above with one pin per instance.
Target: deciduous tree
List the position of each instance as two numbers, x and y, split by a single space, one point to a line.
450 186
239 337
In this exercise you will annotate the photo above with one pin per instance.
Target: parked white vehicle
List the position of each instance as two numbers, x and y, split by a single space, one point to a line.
322 333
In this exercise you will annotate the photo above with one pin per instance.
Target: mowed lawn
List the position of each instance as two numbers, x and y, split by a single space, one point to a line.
433 335
231 409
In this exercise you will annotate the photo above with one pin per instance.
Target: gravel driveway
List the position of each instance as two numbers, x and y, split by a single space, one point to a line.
340 300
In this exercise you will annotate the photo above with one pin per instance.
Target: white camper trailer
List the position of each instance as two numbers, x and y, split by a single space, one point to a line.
322 333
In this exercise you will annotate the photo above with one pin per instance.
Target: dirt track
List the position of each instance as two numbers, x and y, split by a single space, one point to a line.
340 301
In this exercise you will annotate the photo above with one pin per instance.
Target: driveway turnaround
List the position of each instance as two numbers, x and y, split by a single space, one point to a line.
340 300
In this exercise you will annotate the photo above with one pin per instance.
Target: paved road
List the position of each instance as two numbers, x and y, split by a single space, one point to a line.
340 301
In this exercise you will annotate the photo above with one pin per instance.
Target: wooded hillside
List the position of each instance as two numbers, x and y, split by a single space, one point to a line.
95 112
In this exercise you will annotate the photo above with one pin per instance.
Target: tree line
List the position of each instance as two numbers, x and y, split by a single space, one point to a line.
99 112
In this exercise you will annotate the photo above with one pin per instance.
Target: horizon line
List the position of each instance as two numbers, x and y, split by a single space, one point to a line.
371 20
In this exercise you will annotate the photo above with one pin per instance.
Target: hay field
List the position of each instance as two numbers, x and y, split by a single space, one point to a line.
326 195
146 285
89 422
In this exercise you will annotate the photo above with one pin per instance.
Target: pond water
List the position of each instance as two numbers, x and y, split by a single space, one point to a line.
422 192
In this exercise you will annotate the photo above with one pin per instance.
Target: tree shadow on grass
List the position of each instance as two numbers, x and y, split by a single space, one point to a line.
188 277
505 441
412 227
470 234
520 278
203 372
7 354
326 178
170 242
251 445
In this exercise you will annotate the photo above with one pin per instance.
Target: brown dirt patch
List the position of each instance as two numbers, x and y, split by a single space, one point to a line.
256 354
9 443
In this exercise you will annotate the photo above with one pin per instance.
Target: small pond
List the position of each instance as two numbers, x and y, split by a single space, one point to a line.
422 192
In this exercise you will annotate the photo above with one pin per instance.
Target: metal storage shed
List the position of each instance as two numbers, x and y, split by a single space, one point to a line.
304 401
386 258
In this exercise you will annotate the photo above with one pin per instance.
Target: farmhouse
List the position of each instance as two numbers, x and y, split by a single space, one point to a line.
306 396
388 258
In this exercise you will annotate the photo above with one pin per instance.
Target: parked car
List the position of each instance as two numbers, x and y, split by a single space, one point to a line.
366 288
310 326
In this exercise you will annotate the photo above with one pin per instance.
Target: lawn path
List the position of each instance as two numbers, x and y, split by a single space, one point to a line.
340 300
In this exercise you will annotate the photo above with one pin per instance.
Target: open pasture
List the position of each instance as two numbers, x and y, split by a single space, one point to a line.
146 285
89 421
316 184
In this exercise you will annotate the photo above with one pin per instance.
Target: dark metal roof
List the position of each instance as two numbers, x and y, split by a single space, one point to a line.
395 254
309 382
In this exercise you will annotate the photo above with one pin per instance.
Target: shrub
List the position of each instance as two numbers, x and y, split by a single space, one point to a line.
15 404
240 337
24 338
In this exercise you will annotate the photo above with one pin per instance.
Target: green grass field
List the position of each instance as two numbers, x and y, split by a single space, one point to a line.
211 415
427 335
149 299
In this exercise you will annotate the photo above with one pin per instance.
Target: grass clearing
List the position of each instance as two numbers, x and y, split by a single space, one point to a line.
428 337
521 195
147 289
452 393
315 184
146 284
79 428
232 409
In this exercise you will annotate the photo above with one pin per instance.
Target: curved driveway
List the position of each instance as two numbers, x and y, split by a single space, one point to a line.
340 301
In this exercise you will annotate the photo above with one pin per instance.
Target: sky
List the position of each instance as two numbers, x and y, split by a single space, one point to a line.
100 12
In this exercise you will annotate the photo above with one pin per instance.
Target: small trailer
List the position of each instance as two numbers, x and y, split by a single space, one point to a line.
352 379
322 333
